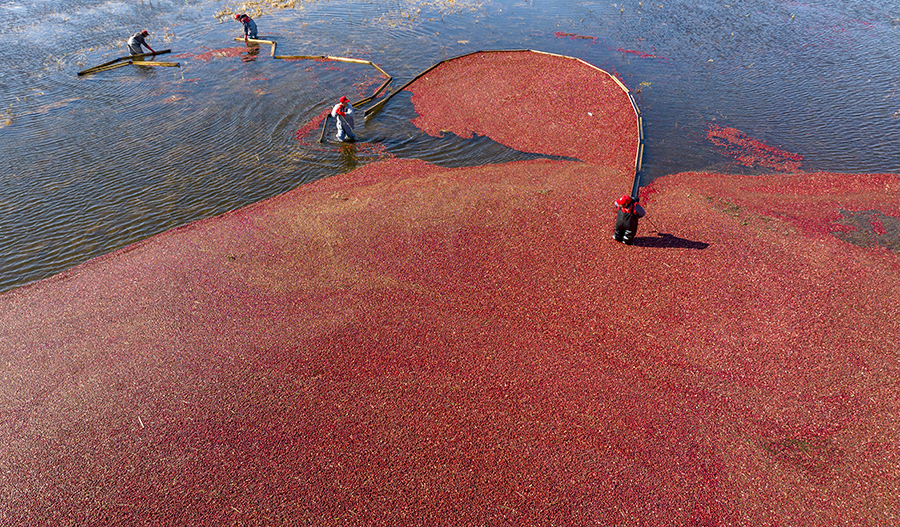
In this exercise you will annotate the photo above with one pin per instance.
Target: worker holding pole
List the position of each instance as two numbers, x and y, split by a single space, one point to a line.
136 41
627 214
249 26
343 114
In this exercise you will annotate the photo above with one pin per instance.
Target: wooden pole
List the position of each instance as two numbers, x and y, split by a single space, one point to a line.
112 66
129 59
256 40
313 57
98 67
324 126
142 55
101 67
155 63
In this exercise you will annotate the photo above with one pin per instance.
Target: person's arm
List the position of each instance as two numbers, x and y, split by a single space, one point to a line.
143 41
348 113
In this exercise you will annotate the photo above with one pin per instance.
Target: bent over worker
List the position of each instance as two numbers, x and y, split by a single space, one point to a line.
136 41
627 214
343 114
249 25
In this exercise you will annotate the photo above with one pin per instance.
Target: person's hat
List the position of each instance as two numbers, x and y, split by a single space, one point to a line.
237 17
344 99
144 32
624 200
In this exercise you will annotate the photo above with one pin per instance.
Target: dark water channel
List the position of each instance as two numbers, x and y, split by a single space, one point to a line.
95 163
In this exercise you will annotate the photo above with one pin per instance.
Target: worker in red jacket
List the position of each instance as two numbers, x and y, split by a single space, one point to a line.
249 25
343 114
627 214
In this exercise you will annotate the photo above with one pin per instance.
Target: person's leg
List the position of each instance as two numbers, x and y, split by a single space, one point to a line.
619 231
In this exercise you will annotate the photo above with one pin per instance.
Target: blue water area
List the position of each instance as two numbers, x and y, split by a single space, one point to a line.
97 162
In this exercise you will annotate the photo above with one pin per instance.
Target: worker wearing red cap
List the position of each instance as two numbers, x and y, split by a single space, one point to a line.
249 25
343 113
627 214
136 41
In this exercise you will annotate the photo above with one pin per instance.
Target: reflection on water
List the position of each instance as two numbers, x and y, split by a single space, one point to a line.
98 162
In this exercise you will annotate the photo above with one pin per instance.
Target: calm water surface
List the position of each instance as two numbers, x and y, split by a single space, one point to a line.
95 163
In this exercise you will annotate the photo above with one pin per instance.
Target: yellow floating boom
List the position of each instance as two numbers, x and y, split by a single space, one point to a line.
155 63
257 40
307 57
353 61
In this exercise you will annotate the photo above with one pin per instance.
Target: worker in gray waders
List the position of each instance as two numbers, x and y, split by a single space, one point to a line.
136 41
343 114
627 214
